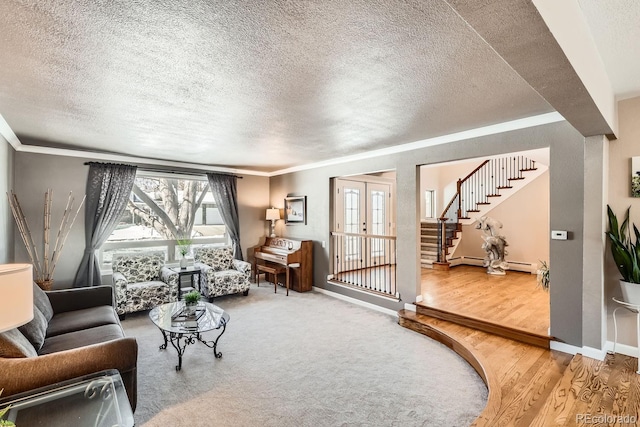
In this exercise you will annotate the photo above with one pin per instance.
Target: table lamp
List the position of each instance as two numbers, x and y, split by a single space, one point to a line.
16 295
273 214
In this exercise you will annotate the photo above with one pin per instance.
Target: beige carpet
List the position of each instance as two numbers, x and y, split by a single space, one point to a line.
304 360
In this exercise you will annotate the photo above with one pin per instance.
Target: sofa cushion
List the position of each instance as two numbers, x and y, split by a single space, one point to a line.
41 300
36 329
219 259
81 338
71 321
14 344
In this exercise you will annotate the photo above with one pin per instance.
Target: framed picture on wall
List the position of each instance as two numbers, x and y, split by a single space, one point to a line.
635 177
295 210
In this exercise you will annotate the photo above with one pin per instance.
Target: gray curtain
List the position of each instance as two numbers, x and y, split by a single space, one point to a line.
108 191
225 193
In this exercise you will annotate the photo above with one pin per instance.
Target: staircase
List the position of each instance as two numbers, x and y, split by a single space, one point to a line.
429 233
476 194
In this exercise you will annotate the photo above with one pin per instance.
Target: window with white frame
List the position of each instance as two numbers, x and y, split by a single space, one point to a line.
430 203
164 212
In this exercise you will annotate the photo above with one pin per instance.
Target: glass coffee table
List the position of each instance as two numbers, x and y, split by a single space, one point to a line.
181 330
98 400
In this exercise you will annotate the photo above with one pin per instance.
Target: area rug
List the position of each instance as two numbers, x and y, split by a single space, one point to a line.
306 359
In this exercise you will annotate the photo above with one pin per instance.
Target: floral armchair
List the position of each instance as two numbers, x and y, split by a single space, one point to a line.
221 274
141 282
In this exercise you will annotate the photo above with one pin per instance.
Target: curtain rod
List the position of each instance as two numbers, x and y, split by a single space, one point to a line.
178 171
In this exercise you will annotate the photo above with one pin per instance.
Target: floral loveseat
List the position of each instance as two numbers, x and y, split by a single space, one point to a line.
221 274
142 282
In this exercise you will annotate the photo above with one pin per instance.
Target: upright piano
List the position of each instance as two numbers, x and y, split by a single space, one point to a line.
296 255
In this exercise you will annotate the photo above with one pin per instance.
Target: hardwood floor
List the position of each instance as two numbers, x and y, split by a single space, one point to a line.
513 300
532 386
529 385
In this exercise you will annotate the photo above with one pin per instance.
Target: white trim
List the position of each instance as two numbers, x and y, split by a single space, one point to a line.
591 352
410 307
419 298
524 123
7 133
625 349
526 267
356 301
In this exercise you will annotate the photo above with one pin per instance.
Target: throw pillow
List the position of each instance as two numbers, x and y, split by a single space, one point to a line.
13 344
35 330
41 300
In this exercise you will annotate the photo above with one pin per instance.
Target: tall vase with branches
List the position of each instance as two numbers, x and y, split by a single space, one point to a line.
43 268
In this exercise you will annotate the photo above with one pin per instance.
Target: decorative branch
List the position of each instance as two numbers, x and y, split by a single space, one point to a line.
44 271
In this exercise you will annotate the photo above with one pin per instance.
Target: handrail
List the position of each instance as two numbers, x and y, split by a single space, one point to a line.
459 184
373 236
474 171
476 188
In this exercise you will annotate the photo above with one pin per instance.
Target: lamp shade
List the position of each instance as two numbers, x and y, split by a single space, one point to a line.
16 295
273 214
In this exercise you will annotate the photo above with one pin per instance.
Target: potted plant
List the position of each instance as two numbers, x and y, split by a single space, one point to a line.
191 301
625 251
183 247
4 422
543 275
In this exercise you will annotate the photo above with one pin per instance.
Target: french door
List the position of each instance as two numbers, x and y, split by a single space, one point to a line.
362 210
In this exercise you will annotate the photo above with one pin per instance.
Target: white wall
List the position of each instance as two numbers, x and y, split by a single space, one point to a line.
620 153
525 219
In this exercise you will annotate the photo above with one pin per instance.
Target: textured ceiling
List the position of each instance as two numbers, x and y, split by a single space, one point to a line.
615 27
259 85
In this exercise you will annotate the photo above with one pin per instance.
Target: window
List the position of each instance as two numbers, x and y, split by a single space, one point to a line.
430 203
161 211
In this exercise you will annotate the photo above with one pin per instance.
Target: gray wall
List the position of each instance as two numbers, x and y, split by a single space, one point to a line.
6 185
34 173
566 204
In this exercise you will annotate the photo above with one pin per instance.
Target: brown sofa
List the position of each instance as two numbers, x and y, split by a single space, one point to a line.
74 332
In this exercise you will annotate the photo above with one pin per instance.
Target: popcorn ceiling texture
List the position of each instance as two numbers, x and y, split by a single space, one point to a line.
261 85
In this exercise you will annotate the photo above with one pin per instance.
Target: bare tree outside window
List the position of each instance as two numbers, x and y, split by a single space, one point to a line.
169 206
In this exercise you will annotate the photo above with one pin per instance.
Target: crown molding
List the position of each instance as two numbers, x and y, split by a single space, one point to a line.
526 122
542 119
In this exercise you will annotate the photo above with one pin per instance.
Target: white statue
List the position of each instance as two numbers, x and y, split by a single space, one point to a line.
494 244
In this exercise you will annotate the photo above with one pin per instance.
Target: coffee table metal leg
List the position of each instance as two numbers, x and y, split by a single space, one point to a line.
180 348
214 344
164 335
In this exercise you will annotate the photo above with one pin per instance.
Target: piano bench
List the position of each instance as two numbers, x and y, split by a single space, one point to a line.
275 270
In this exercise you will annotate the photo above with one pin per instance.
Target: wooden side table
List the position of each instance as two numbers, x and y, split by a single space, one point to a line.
188 271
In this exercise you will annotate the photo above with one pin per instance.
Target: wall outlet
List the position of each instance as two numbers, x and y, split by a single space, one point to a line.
558 235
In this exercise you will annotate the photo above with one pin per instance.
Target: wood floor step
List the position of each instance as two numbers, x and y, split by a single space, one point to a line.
516 178
494 195
472 210
504 187
482 203
509 332
528 170
532 386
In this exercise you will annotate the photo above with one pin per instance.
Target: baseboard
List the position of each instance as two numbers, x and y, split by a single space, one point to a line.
356 301
410 307
627 350
526 267
591 352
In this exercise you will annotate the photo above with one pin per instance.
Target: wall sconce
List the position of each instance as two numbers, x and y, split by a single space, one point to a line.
16 295
273 214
